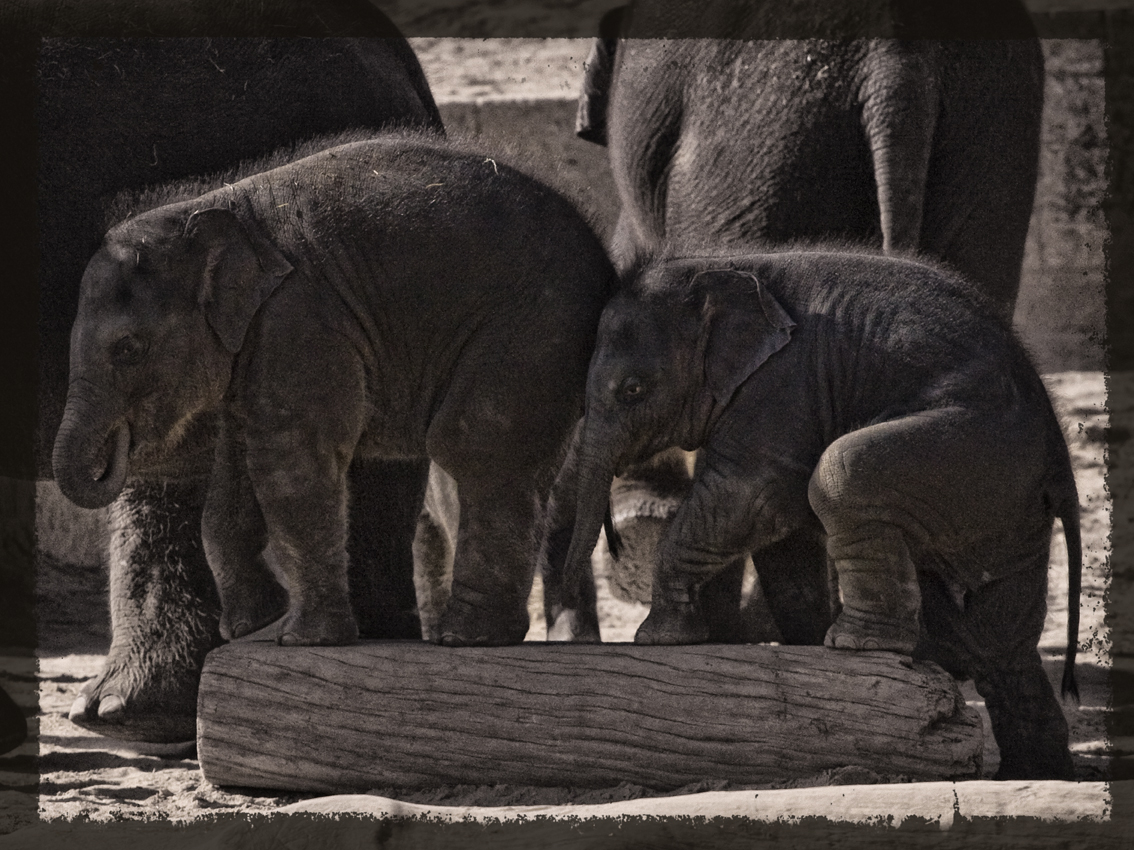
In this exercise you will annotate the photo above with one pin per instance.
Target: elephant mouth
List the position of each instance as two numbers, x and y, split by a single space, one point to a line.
116 447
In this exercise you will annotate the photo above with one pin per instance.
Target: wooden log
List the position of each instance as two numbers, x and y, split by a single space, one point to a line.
412 715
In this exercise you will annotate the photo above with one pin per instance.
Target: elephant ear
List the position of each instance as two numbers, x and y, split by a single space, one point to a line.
240 270
742 326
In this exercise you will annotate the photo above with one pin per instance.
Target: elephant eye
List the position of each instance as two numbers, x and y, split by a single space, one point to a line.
631 391
128 350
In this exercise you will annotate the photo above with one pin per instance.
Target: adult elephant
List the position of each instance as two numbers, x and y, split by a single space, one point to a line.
117 115
898 124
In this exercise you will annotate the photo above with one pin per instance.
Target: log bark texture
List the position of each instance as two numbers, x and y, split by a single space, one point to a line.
410 715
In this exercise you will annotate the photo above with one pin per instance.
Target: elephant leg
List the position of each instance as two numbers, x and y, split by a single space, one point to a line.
571 612
720 602
164 614
934 481
965 488
642 503
570 603
792 574
234 537
495 560
1027 722
386 499
991 636
711 533
303 496
13 724
434 547
720 596
878 584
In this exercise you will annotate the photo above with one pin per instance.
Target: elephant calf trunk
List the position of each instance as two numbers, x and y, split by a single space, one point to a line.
90 458
592 515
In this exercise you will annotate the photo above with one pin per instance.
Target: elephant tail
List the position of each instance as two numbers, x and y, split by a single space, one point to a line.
1068 513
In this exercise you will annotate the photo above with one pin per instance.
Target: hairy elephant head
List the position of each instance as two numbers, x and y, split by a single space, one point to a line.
672 351
163 308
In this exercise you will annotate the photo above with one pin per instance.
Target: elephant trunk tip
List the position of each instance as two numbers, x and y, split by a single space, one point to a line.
92 479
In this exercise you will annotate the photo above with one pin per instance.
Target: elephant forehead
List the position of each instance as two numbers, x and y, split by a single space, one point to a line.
113 285
105 274
622 332
638 325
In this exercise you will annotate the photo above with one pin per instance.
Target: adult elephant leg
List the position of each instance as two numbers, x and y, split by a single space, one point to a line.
642 503
164 615
386 498
495 560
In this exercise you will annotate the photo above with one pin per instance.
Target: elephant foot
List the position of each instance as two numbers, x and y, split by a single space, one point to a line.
323 625
1028 723
859 633
672 624
246 613
573 626
130 702
1060 767
465 623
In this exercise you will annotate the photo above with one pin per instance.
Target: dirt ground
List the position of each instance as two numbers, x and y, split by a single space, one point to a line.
82 775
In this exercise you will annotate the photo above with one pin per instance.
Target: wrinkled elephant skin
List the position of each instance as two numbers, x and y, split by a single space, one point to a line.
879 401
760 124
395 297
125 124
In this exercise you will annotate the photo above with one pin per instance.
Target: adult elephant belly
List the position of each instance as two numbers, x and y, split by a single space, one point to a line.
115 117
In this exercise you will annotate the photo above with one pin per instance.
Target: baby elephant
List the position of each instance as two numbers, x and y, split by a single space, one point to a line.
396 297
877 401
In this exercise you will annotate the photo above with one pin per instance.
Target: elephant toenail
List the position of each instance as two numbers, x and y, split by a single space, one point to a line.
871 643
111 708
78 709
